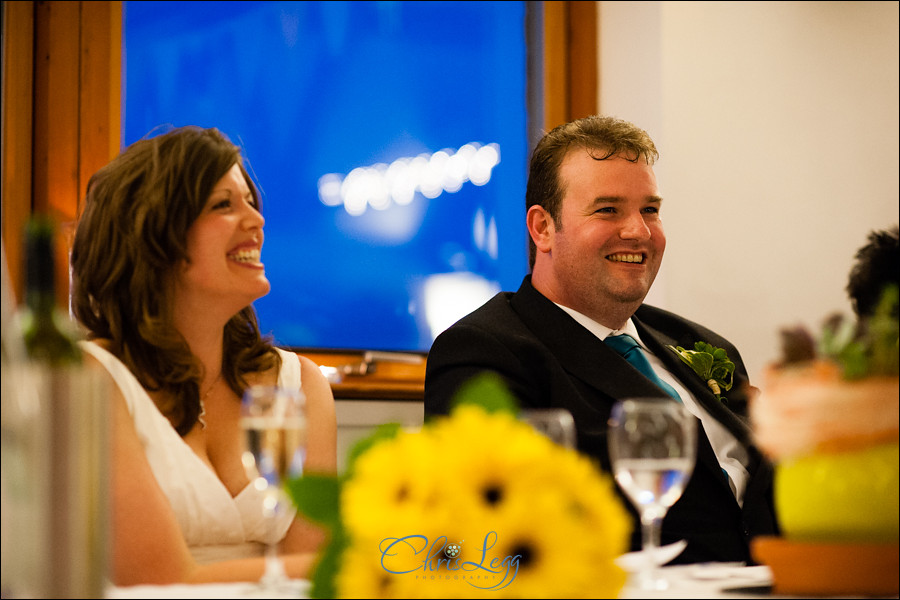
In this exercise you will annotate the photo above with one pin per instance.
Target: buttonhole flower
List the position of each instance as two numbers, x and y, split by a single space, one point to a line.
711 364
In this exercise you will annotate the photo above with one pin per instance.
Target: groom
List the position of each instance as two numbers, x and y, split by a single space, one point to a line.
597 241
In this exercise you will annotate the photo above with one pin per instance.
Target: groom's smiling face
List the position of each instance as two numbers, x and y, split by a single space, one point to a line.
609 242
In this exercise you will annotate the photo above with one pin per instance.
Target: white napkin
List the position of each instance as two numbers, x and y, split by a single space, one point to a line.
633 561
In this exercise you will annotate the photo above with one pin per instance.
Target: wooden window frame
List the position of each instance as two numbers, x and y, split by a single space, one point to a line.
62 82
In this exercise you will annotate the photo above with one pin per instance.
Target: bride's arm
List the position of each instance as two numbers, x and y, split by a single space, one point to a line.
321 450
321 453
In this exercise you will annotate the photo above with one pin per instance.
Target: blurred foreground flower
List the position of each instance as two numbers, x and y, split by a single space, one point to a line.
833 392
828 418
474 504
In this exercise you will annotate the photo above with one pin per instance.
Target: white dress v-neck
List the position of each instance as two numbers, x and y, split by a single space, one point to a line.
215 525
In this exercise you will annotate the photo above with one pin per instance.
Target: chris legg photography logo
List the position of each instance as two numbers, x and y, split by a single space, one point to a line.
442 560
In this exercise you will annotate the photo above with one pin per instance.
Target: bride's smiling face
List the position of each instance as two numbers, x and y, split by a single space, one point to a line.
223 248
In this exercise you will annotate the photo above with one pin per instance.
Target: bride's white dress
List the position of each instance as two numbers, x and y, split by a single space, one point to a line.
215 525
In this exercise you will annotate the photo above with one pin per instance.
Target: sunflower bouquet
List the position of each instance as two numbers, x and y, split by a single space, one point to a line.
476 504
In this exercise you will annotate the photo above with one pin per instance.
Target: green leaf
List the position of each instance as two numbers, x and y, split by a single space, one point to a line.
837 333
317 497
702 363
699 360
854 361
704 347
723 372
328 565
869 346
489 391
882 334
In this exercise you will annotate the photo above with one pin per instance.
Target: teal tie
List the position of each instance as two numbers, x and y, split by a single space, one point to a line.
631 351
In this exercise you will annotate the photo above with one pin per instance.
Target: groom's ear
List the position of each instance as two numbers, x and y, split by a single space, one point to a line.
541 228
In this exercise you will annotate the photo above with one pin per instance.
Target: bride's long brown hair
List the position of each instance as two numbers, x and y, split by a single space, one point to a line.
130 237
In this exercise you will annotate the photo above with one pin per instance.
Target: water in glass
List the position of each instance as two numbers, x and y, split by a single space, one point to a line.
653 449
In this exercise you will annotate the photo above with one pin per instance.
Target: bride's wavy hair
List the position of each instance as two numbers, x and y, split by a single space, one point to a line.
130 238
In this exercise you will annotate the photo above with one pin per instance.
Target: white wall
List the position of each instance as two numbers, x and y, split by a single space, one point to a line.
777 126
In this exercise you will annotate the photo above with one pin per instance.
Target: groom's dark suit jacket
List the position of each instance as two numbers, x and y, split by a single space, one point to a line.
549 360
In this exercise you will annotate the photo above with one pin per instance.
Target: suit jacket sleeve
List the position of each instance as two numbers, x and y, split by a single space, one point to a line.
465 350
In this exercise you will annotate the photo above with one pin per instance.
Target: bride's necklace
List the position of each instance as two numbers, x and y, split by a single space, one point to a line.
203 400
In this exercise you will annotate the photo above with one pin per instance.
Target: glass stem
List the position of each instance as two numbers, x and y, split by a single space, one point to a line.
274 569
274 574
651 530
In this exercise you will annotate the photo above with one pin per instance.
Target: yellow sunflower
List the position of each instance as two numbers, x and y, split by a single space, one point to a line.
394 491
479 504
562 545
488 457
513 493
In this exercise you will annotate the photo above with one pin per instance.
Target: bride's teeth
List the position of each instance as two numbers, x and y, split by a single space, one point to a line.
245 256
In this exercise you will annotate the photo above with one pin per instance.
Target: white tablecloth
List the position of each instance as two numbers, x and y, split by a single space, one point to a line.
297 589
690 581
715 580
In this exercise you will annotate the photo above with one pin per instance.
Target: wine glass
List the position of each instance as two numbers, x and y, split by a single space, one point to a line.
555 423
274 423
653 449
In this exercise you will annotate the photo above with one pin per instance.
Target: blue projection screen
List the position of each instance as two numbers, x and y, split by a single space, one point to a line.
388 140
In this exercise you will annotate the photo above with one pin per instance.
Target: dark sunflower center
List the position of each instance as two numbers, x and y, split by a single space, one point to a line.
527 554
493 494
402 493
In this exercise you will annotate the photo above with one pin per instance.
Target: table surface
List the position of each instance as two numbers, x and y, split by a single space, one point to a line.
710 580
715 580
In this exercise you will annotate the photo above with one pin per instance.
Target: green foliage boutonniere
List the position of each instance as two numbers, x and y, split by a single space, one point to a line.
711 364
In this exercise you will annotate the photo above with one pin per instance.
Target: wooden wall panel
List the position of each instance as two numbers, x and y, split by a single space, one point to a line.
583 60
100 92
570 61
61 116
56 84
556 64
18 81
55 139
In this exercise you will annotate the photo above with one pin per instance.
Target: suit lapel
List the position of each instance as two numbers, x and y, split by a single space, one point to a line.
578 350
583 355
587 358
657 342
